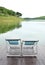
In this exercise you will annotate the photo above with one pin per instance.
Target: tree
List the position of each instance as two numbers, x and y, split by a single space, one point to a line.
5 11
18 14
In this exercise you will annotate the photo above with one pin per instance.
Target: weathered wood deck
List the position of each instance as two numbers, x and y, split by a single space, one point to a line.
40 60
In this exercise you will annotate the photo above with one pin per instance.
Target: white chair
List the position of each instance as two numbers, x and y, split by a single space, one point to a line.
29 48
13 47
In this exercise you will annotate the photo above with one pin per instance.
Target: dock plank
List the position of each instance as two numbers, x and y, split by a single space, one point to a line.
39 60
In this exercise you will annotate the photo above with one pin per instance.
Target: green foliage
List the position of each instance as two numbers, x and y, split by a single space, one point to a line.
7 12
41 17
10 12
36 18
9 20
18 14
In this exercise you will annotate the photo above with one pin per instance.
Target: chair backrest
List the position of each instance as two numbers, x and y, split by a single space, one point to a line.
13 41
29 42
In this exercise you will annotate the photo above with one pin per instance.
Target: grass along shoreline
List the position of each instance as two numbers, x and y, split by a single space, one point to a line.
8 23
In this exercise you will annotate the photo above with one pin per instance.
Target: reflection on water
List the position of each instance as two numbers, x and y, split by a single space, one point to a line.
29 30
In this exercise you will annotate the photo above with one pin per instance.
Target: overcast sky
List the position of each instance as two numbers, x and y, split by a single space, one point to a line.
29 8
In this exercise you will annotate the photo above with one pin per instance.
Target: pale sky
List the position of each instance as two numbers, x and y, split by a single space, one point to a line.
29 8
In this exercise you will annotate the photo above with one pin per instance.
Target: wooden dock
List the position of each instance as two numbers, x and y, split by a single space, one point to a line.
39 60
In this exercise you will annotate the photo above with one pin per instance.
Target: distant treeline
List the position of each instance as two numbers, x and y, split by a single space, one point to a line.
5 11
36 18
